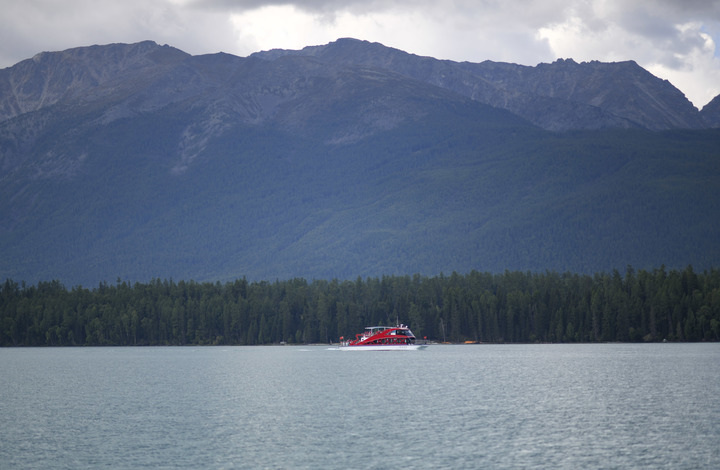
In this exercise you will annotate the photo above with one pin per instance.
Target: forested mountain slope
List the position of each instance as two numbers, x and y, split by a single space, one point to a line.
140 161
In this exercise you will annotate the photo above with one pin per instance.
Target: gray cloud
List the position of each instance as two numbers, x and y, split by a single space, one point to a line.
652 32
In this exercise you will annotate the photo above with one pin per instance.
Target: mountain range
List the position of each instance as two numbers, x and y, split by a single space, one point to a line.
140 161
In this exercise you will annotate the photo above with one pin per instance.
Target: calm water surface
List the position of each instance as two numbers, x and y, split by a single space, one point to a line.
478 406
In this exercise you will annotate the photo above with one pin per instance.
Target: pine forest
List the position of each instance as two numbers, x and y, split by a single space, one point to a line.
512 307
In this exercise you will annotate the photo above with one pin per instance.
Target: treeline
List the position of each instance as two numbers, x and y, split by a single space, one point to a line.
638 306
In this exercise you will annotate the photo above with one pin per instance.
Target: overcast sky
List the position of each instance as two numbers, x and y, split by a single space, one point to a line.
674 39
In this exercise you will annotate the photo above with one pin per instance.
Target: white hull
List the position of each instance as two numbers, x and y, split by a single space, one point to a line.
384 347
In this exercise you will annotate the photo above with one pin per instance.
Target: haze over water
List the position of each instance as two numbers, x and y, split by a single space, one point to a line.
484 406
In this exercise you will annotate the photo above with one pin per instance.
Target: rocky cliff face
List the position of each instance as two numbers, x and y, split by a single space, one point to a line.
559 96
50 78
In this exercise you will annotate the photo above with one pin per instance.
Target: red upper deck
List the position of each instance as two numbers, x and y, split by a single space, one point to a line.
384 335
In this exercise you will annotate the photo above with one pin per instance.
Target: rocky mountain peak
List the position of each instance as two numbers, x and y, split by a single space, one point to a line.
711 113
50 77
558 96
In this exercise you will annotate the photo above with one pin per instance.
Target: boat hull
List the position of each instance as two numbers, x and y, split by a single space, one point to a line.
384 347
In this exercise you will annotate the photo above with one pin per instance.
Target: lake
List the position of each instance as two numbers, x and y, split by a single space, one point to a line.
448 406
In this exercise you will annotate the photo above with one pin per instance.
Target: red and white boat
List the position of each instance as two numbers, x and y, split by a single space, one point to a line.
383 338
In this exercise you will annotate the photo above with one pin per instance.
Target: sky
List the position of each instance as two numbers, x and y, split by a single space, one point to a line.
677 40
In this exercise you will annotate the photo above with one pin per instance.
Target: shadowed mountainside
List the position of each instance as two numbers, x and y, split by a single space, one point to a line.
141 161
